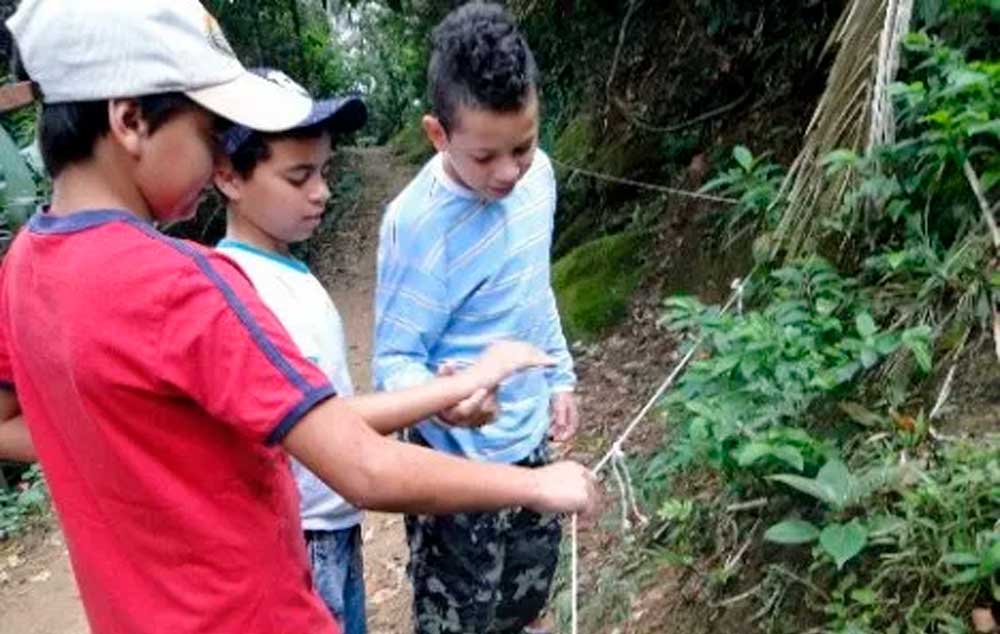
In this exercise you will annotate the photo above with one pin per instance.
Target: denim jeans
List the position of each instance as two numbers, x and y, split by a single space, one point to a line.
338 574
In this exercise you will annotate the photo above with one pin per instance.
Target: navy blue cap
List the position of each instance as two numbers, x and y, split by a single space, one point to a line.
342 115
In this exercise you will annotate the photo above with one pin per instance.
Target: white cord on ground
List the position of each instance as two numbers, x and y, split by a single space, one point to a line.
622 493
630 497
575 579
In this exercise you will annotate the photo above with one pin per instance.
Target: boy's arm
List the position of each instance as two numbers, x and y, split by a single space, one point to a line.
389 412
15 441
561 377
378 473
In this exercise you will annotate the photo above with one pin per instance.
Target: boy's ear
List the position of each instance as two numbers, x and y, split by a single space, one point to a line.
436 133
227 180
127 125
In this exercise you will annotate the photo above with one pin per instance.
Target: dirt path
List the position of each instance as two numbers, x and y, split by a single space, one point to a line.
345 264
37 592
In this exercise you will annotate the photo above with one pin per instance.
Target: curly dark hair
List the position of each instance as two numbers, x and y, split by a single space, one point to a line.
479 59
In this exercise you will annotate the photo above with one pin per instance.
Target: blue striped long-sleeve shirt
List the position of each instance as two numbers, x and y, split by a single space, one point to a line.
456 273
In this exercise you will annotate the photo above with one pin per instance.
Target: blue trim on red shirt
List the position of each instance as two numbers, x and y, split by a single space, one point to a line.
45 223
309 401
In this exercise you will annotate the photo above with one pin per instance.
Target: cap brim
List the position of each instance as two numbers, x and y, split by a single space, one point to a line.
256 103
343 115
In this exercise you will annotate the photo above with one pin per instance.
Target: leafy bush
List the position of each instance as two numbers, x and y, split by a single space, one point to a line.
741 406
20 503
754 182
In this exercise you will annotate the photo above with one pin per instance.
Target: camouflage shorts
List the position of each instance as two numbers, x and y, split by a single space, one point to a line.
482 573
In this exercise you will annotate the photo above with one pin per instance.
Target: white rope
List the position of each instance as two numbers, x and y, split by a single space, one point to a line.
575 578
626 525
617 455
630 500
641 185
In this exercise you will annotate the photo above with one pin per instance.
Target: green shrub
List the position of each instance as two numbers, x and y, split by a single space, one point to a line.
411 143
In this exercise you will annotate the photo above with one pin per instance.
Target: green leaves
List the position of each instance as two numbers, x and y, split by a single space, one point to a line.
843 542
792 532
834 485
19 504
753 452
18 194
917 341
982 565
754 183
743 157
865 324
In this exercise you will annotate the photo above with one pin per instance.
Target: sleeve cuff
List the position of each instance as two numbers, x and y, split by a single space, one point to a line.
311 399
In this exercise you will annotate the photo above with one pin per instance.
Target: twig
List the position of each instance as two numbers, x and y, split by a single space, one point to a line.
739 597
735 559
650 186
626 110
768 605
943 394
996 331
14 96
632 6
808 584
977 189
747 506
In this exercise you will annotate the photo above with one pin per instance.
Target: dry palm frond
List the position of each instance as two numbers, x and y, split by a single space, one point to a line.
855 112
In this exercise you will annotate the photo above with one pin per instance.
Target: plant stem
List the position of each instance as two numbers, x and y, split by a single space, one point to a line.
977 189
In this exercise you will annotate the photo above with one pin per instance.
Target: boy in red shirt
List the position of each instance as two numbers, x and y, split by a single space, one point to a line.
160 394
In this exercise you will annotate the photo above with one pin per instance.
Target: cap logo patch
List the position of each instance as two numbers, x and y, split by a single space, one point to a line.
283 80
216 37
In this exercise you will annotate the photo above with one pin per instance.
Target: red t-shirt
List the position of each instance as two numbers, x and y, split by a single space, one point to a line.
156 387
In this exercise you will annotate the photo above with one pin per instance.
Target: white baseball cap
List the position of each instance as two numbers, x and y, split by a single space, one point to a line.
87 50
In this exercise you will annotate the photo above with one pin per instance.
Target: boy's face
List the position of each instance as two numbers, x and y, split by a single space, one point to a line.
488 151
285 196
176 165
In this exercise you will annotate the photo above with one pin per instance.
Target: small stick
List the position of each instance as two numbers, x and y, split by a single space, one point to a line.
14 96
977 189
747 506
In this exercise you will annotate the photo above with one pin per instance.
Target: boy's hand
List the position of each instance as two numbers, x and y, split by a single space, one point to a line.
475 411
566 487
565 417
503 358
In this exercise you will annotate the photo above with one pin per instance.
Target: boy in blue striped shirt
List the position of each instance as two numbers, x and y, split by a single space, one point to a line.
464 259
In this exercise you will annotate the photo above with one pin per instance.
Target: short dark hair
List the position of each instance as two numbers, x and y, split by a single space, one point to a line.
479 59
67 132
257 147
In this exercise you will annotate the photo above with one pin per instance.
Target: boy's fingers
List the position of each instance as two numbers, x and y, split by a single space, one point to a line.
490 406
537 358
446 369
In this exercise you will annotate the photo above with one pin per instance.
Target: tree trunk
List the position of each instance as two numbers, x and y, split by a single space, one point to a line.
293 6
